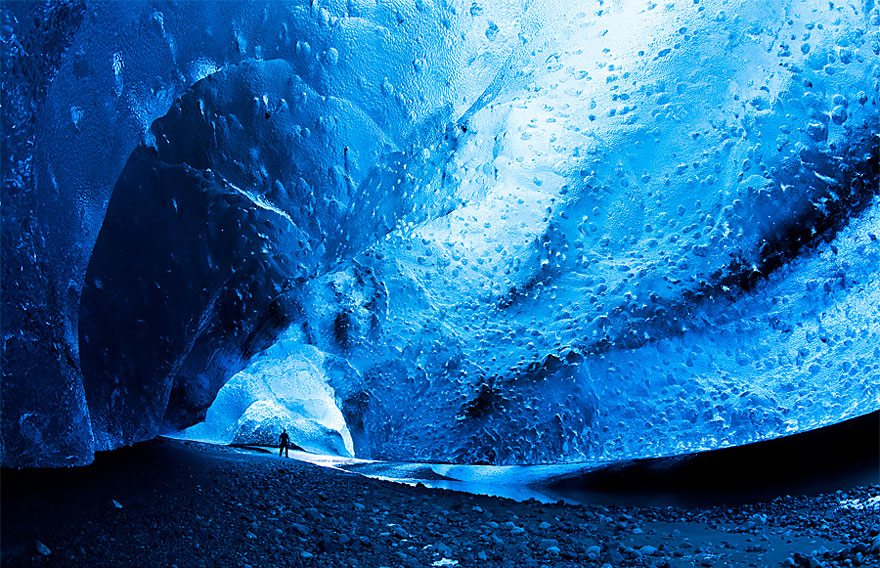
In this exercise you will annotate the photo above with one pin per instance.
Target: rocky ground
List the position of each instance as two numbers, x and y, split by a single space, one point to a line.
172 503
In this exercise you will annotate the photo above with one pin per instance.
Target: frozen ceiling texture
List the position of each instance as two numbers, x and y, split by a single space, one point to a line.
490 231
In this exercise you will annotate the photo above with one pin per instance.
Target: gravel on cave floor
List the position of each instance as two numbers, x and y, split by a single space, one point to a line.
173 503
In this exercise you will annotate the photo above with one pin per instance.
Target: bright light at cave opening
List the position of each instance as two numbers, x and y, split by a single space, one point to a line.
282 388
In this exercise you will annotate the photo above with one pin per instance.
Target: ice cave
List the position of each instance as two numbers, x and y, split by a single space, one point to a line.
463 231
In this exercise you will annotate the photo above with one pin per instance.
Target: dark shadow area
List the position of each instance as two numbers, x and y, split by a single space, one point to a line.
828 459
169 502
124 474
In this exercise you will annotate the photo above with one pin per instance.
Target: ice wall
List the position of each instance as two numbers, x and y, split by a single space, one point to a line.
522 232
85 82
677 249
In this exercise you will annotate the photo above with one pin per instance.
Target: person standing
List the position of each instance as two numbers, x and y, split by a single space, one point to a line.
284 445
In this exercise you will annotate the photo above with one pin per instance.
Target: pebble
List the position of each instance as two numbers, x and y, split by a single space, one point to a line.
301 529
42 548
327 544
443 549
547 543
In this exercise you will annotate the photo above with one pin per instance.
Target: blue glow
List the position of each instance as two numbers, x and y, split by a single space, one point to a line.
499 232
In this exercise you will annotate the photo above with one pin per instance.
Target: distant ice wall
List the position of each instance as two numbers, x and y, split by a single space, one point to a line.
283 388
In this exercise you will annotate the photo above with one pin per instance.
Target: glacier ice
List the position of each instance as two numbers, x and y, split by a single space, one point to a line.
283 388
494 232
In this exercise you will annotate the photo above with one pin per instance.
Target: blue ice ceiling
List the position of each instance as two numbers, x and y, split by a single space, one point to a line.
494 232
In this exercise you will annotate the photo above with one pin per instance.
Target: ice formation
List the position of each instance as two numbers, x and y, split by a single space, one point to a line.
482 231
283 388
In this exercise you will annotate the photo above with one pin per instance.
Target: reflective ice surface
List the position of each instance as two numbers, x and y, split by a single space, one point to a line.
511 232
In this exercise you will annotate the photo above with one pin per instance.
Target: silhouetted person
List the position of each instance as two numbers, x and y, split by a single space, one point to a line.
285 444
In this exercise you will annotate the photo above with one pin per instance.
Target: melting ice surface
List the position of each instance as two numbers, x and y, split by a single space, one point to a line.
484 232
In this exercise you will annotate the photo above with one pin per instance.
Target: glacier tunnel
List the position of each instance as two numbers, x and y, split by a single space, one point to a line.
479 231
